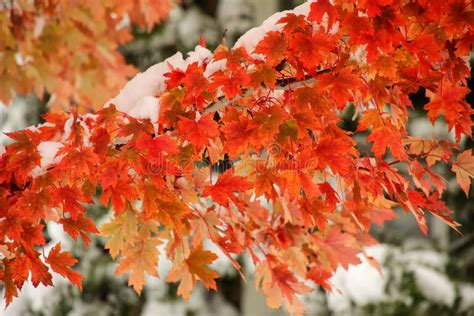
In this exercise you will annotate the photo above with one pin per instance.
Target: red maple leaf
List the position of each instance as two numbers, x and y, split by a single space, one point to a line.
273 47
223 190
60 262
80 226
198 132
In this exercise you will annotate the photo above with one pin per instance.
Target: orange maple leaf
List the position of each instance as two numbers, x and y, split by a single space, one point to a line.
193 269
464 169
140 257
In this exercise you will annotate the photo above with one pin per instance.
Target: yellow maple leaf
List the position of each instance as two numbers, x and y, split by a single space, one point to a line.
119 230
140 257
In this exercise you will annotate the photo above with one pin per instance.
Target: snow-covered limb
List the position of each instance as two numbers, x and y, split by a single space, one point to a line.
139 97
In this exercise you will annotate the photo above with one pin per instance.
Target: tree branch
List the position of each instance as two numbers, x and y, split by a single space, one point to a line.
223 102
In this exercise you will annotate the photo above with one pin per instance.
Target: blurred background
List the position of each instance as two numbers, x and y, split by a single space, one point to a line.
421 276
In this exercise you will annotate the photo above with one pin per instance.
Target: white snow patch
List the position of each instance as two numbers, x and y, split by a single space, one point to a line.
466 291
199 55
148 83
303 9
147 107
48 151
214 66
425 257
434 285
67 129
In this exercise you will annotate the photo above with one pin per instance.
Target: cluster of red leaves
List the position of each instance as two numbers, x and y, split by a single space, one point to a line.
298 195
69 48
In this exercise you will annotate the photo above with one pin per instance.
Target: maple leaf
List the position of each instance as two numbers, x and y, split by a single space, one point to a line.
23 155
233 57
83 159
60 262
22 265
156 146
79 227
163 206
192 269
69 197
280 285
273 46
449 100
263 74
238 131
11 290
321 277
311 50
335 154
120 230
58 64
464 170
175 78
340 248
148 12
39 272
230 83
387 136
135 128
171 108
197 261
370 118
118 194
101 140
140 257
321 7
381 213
37 202
223 190
198 132
415 202
195 84
310 97
339 85
293 23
